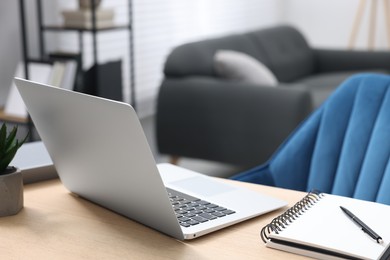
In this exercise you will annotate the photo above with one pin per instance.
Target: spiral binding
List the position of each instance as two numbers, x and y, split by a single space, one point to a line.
281 221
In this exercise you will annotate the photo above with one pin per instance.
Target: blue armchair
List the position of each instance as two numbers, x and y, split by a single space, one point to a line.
342 148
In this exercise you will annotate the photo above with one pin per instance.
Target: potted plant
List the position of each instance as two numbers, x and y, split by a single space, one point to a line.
11 181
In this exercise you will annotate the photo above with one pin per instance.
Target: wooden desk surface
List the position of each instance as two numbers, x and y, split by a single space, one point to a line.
56 224
11 118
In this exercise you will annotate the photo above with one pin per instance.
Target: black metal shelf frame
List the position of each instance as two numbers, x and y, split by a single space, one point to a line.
94 30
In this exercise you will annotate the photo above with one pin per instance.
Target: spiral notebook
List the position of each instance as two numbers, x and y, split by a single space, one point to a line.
316 227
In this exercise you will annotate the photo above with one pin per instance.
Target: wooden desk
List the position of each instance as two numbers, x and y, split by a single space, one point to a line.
55 224
11 118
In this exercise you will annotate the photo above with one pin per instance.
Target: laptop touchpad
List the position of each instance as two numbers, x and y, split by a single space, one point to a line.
203 186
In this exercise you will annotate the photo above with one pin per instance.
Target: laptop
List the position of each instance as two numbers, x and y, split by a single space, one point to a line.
101 153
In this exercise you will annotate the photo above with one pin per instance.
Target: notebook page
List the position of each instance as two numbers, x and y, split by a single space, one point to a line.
324 225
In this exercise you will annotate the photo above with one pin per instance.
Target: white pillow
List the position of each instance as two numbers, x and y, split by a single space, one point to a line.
240 66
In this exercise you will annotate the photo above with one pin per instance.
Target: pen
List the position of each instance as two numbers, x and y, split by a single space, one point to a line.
363 226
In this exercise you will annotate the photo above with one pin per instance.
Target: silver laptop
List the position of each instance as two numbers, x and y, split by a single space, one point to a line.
101 153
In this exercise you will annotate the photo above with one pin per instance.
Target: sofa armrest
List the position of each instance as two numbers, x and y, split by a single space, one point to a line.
231 122
350 60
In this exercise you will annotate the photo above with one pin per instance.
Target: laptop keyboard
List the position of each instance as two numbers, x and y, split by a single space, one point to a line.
192 211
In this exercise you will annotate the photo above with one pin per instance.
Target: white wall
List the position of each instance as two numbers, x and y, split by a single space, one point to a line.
328 23
9 45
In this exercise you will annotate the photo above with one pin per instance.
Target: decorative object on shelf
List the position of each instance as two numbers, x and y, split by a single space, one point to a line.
83 17
11 181
86 4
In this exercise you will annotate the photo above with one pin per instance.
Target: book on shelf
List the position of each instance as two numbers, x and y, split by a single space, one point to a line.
317 227
69 76
56 74
74 73
63 74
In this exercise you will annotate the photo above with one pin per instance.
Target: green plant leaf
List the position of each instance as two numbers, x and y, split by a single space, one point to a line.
7 158
9 142
3 136
9 145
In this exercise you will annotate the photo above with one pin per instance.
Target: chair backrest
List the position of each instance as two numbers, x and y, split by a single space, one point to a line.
343 147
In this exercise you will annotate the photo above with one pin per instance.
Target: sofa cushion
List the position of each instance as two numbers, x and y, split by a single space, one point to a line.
322 85
288 54
239 66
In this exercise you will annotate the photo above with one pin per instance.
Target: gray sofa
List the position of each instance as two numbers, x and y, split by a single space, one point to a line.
201 115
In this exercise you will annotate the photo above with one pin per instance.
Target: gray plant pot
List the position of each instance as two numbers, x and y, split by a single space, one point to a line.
11 192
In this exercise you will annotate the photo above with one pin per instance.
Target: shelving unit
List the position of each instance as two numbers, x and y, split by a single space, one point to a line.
43 55
44 28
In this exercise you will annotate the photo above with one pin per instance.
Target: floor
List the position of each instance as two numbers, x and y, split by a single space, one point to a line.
202 166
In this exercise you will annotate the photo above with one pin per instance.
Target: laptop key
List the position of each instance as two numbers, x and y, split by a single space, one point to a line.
200 219
184 219
228 212
207 215
190 215
192 222
201 208
209 210
218 214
